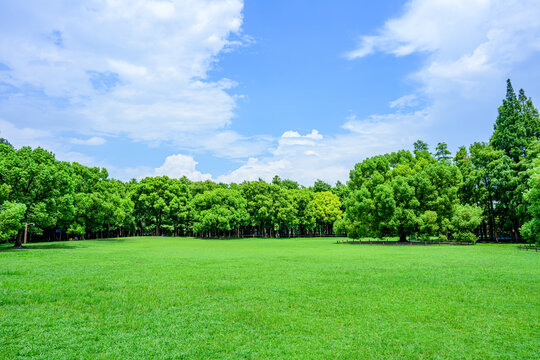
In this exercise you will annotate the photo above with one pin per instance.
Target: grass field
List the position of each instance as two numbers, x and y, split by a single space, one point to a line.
183 298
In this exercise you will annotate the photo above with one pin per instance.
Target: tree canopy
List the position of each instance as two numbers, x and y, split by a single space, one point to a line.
488 191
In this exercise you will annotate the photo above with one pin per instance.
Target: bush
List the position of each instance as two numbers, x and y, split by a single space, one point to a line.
466 236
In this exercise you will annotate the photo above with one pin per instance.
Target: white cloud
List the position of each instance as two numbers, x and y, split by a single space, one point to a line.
388 126
404 102
232 144
290 138
176 166
466 42
429 26
469 48
93 141
306 158
255 169
295 134
24 136
135 68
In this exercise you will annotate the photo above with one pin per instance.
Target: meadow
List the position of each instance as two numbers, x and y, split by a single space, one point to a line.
186 298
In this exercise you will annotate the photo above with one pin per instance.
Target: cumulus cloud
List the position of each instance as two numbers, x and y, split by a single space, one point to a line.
135 68
306 158
255 169
290 138
469 48
25 136
465 41
174 166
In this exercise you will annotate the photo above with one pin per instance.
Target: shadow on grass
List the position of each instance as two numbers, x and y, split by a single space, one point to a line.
53 246
107 239
9 247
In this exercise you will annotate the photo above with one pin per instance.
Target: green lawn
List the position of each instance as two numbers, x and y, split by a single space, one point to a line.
184 298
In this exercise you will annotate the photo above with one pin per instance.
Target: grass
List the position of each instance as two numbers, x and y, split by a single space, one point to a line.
184 298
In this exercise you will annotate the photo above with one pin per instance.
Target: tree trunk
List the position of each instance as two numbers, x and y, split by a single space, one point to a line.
18 240
402 238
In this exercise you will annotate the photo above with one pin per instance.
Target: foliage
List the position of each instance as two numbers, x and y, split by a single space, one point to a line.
531 228
401 194
11 219
41 183
441 152
465 219
5 142
161 204
219 210
326 207
321 186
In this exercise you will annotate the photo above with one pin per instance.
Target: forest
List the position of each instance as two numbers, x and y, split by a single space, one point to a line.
488 191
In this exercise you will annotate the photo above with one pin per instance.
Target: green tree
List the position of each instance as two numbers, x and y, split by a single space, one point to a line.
428 225
305 220
320 185
421 149
509 133
484 182
11 219
327 209
465 220
260 206
40 182
162 204
342 191
442 153
371 171
530 118
285 183
516 128
400 195
219 212
531 228
5 142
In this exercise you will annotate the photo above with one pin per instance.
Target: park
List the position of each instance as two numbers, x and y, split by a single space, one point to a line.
234 179
91 266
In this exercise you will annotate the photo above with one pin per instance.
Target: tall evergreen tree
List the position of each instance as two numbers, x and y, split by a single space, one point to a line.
509 132
516 127
530 118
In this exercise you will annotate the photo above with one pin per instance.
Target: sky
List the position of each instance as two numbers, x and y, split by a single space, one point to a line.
233 90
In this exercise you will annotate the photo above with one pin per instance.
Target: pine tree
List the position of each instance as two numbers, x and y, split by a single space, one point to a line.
516 128
509 132
530 118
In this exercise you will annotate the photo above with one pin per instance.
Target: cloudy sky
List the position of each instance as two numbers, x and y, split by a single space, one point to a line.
234 90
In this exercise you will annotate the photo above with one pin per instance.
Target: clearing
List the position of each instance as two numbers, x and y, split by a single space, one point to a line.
185 298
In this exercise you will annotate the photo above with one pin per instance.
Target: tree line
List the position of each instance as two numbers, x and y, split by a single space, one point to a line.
489 191
67 200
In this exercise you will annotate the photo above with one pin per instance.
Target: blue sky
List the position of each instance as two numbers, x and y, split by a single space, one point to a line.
234 90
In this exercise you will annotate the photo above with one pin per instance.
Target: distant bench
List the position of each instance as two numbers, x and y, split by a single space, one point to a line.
528 247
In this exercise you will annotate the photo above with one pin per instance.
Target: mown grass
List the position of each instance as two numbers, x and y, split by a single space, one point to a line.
183 298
